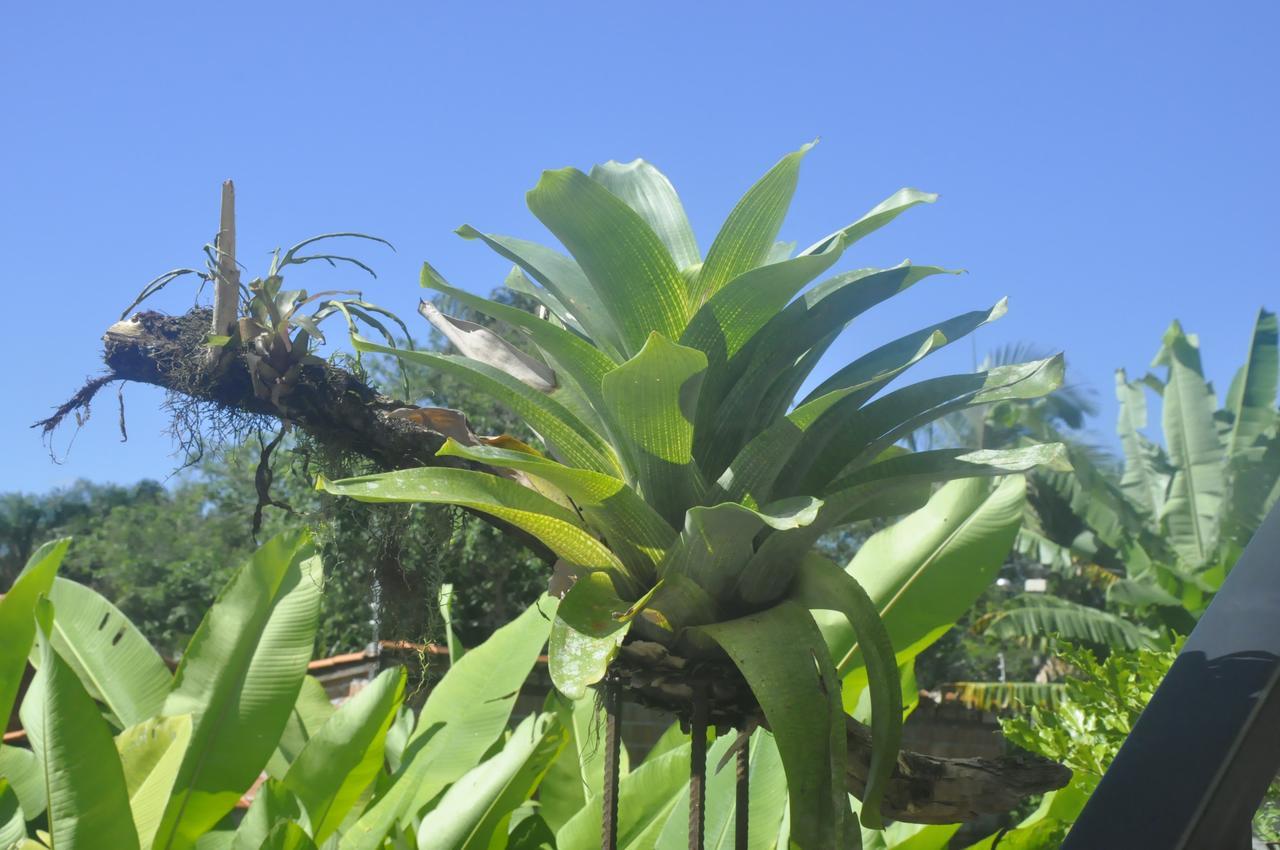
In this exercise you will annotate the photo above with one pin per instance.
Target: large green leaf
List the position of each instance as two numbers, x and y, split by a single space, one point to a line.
630 269
926 570
1034 617
744 402
880 215
651 402
717 541
837 441
754 472
288 836
783 658
635 531
1252 398
821 584
114 661
17 617
13 824
239 680
648 191
83 778
747 235
577 775
151 754
553 524
1196 493
463 716
566 282
473 813
310 711
586 633
339 763
868 493
768 798
567 435
646 797
730 318
1143 481
22 770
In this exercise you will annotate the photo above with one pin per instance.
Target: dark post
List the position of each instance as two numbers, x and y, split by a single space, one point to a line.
612 747
698 767
1194 769
742 812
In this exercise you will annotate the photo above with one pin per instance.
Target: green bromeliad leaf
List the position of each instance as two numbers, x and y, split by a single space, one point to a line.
648 191
859 495
880 215
783 658
588 629
554 525
634 529
748 234
626 263
717 542
823 585
651 402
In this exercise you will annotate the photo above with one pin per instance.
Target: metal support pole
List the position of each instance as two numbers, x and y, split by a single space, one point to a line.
698 768
612 748
742 812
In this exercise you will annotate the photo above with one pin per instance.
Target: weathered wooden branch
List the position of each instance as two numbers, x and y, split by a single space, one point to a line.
931 789
334 407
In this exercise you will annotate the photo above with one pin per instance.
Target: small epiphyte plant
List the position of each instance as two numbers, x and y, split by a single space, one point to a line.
272 330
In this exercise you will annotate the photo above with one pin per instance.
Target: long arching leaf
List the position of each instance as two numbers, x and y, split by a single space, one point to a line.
1198 486
626 520
473 814
648 191
747 235
83 778
116 663
821 584
239 679
338 764
463 717
1036 617
566 282
17 617
627 264
554 525
781 654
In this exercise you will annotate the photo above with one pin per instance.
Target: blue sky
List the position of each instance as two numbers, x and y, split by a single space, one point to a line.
1107 166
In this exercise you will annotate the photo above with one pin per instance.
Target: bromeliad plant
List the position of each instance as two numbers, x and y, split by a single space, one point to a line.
686 478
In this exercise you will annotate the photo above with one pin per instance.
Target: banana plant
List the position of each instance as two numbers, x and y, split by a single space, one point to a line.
686 477
125 754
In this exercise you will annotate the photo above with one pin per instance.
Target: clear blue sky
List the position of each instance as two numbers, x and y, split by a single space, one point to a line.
1108 166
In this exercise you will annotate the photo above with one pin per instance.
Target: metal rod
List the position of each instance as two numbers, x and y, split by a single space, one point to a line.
612 748
742 811
698 768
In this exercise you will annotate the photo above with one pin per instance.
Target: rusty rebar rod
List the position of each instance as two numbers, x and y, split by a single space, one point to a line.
742 811
698 767
612 748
